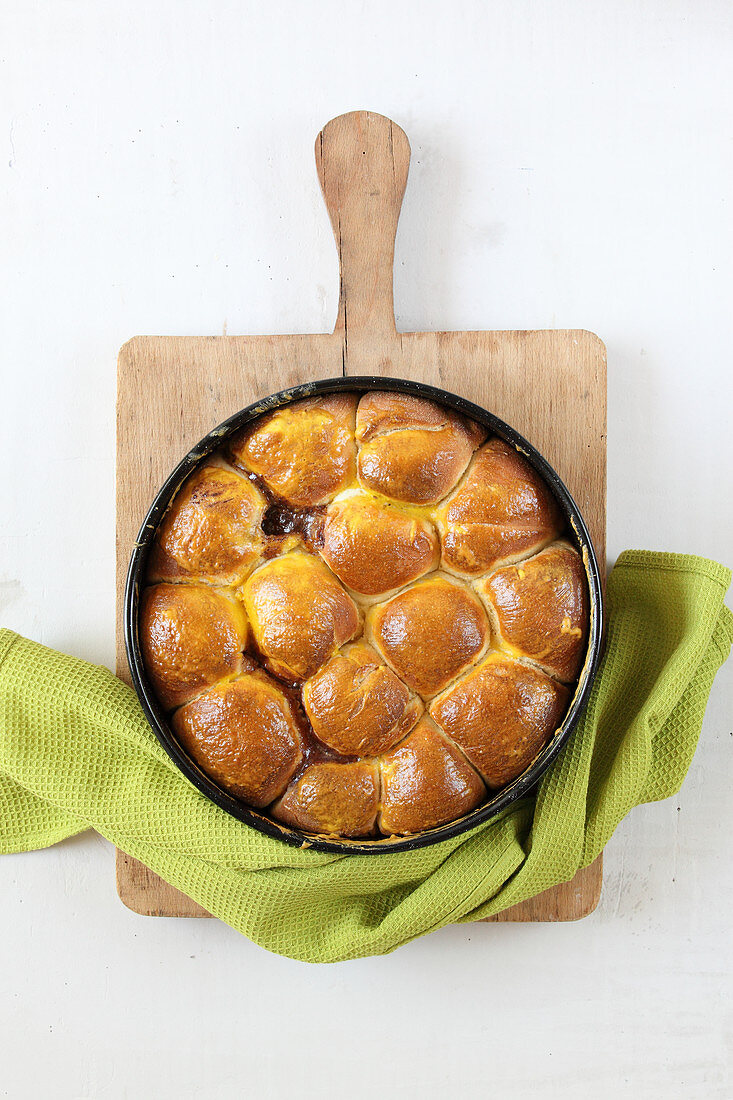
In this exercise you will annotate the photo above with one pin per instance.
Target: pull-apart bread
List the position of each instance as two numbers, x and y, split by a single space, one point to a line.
362 615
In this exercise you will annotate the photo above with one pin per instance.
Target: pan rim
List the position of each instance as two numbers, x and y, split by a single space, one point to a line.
520 787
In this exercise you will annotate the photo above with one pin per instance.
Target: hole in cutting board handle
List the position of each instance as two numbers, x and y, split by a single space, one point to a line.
363 159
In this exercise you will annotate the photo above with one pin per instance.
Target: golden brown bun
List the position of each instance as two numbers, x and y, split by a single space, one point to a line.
191 636
540 609
382 558
426 782
374 548
357 705
411 449
245 735
430 632
501 510
299 614
211 530
305 452
501 714
332 799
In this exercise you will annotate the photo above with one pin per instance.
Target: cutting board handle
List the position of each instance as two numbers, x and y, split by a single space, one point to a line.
363 160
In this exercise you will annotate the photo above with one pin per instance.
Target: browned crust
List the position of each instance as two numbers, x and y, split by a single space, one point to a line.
374 548
244 735
540 608
212 530
501 715
412 450
501 511
299 613
332 799
356 704
430 632
426 782
305 452
190 636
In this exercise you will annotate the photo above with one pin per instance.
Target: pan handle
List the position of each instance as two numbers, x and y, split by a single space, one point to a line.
362 160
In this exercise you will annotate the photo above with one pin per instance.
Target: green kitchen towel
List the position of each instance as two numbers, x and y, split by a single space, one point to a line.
76 752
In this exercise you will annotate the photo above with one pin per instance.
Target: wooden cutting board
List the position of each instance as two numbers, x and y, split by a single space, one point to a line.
549 385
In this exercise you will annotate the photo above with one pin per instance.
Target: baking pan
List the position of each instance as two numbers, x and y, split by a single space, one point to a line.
576 532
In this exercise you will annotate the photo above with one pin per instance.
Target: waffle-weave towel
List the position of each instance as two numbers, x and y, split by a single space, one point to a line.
76 753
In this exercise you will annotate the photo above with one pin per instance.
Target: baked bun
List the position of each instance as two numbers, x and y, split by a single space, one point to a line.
190 636
342 565
430 633
357 706
539 608
411 449
332 799
245 735
501 511
212 531
374 547
299 614
304 452
500 715
426 782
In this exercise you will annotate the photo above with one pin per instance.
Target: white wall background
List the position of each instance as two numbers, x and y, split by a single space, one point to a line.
571 167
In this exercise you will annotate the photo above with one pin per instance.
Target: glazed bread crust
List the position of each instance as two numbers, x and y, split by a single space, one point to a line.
245 734
191 636
304 453
500 714
499 513
357 706
332 799
540 609
412 449
213 530
430 633
426 782
299 614
363 616
375 548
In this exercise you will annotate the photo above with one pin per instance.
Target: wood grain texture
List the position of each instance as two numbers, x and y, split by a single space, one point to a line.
550 385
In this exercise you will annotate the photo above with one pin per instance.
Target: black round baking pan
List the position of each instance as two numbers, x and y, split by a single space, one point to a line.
576 532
